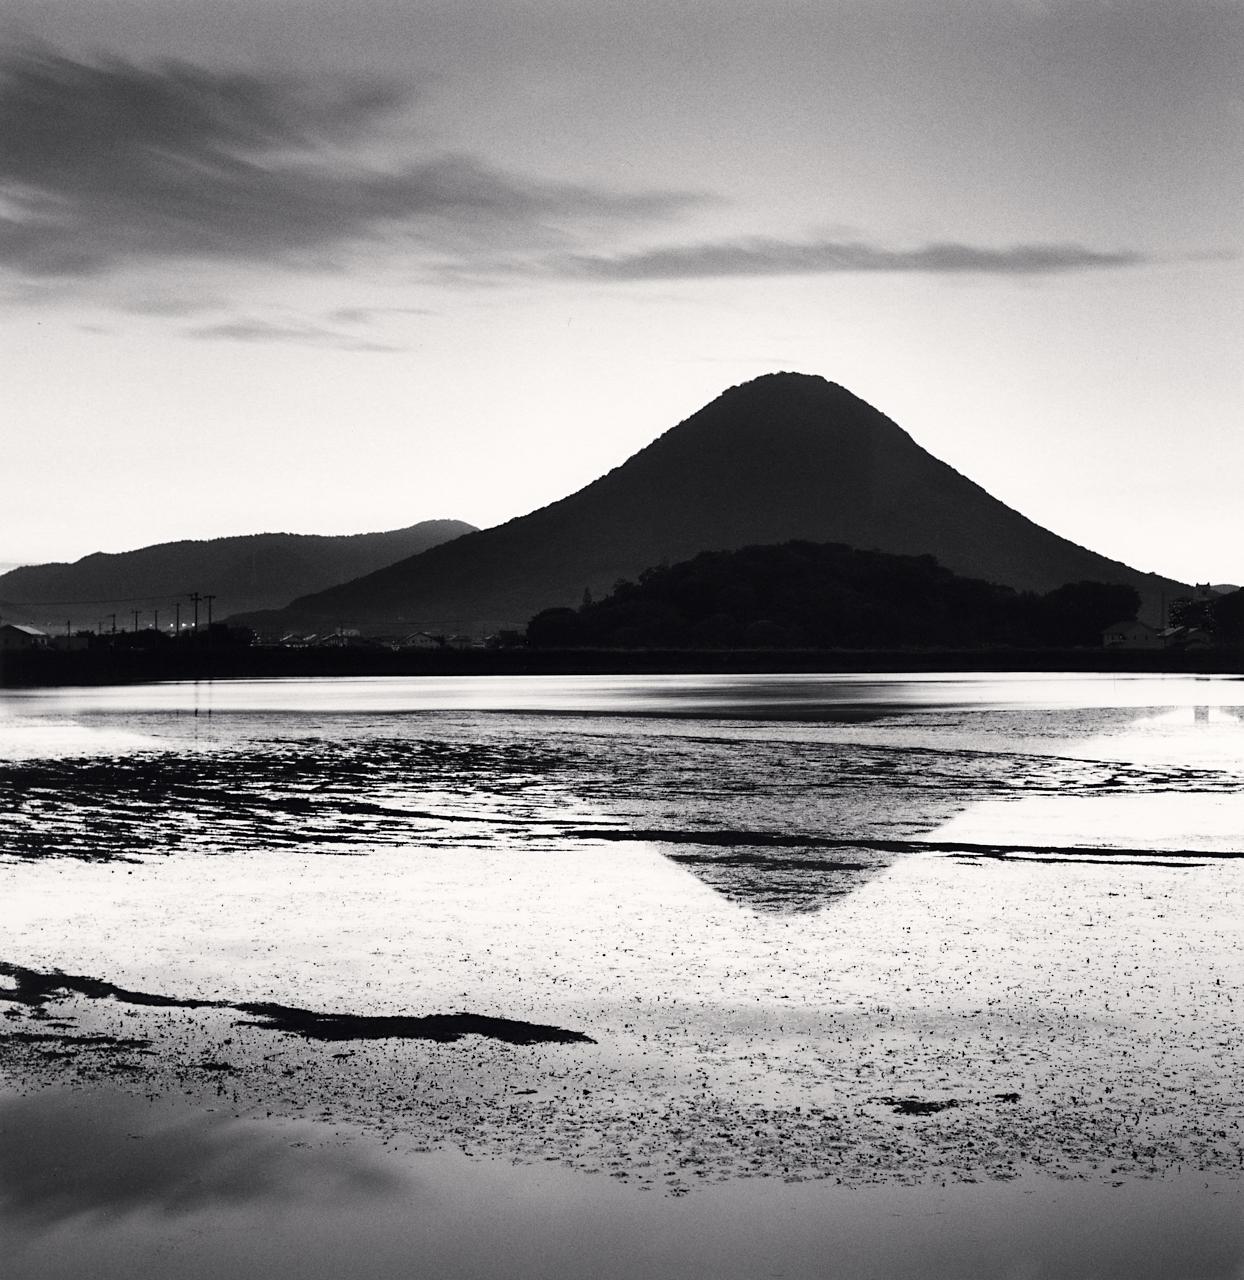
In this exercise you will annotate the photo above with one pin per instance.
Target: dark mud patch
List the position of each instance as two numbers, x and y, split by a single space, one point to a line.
1114 857
36 989
309 794
1183 865
931 1106
920 1106
107 1043
31 987
444 1028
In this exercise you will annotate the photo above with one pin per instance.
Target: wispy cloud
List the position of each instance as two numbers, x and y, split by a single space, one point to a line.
108 163
762 256
168 305
252 330
368 315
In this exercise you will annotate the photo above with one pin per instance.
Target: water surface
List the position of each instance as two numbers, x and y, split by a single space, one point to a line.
802 938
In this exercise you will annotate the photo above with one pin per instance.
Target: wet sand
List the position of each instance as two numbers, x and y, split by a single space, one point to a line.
1029 1003
1083 1018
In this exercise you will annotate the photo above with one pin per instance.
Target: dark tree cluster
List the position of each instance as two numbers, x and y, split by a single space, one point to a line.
1228 618
1221 616
826 595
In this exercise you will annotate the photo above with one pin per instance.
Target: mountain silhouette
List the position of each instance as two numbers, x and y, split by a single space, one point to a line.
255 571
786 456
825 595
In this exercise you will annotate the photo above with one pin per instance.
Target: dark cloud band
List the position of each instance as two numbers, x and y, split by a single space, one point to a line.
772 257
107 163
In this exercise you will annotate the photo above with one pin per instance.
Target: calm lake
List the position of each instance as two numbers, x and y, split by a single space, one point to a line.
668 976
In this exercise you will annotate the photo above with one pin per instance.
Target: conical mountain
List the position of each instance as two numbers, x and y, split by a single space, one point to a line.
784 456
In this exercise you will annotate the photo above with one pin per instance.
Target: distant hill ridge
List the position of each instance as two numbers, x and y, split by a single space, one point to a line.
786 456
247 572
828 596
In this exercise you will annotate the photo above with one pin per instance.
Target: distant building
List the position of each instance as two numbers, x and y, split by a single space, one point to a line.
422 640
14 635
342 638
1131 634
1187 638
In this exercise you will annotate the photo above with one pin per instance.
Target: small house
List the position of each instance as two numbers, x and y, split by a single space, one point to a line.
1187 638
16 636
1131 634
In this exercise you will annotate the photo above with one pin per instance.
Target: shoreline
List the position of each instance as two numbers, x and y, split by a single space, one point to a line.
121 666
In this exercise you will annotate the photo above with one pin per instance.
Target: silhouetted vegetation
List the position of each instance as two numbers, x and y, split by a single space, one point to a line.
826 595
1221 616
1228 618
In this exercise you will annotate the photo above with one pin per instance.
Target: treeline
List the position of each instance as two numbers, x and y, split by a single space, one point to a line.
826 595
1222 617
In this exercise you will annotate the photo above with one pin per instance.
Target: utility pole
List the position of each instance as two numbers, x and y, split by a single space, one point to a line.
155 620
135 613
194 600
209 598
113 616
68 634
177 619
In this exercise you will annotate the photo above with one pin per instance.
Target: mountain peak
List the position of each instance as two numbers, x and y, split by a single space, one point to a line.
786 456
786 421
788 384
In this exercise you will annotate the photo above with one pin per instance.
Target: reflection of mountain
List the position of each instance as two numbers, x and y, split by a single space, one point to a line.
771 828
783 457
256 571
772 823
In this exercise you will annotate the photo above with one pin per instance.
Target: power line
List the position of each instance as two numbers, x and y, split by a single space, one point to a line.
42 604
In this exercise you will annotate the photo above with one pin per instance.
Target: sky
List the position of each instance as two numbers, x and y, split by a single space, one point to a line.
325 268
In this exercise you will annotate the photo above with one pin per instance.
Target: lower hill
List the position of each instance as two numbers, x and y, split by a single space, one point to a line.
827 596
255 571
786 456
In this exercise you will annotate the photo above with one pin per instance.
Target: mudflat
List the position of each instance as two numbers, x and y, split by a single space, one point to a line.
948 959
